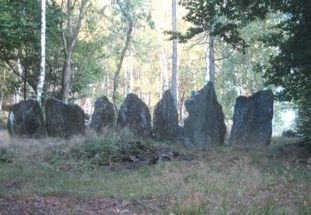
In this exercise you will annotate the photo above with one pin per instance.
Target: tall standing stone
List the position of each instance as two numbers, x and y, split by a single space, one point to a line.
103 115
63 120
205 123
252 119
26 120
165 119
135 115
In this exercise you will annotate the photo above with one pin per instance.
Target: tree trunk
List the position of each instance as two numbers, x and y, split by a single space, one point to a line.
66 78
164 70
174 56
254 85
1 90
119 66
18 89
181 106
69 42
131 71
42 62
211 59
206 55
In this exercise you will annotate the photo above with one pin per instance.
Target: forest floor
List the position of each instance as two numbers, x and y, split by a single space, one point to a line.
106 175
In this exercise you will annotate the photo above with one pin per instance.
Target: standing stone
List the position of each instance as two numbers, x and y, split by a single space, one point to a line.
103 115
135 115
252 119
165 119
63 120
205 123
26 120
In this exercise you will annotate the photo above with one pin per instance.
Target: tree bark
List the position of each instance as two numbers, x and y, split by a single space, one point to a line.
69 42
119 66
211 59
174 56
164 69
42 62
1 90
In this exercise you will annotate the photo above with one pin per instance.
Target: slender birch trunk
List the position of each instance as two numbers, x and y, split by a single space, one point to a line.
42 62
174 56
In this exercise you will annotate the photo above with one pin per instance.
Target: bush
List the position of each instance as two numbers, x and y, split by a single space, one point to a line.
303 119
5 157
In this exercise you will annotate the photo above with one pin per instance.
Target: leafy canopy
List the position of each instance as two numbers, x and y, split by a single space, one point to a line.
220 18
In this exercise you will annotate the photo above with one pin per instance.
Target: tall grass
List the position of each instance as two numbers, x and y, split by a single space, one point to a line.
219 180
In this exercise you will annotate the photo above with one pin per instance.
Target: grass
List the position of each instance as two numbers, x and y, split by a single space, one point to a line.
219 180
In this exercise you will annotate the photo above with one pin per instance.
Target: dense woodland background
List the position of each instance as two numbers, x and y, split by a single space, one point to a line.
115 47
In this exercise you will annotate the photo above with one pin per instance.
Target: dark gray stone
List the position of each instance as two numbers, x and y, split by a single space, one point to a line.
205 123
165 119
135 115
103 115
63 120
289 133
26 120
252 119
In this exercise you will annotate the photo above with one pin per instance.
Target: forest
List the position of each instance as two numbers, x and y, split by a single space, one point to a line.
112 48
79 50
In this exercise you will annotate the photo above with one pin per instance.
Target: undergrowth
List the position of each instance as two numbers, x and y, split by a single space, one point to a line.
218 180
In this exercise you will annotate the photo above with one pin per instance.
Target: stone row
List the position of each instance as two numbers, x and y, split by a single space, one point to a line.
252 119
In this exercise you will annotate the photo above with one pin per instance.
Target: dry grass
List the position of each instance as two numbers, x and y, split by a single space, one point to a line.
219 180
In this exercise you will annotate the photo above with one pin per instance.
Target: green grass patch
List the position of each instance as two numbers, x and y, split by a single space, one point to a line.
225 180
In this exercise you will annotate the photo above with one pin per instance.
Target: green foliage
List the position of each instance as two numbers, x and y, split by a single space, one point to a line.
5 156
20 40
226 180
303 118
97 152
220 18
93 152
290 68
181 210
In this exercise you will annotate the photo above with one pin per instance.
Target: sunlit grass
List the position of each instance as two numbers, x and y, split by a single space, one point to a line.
219 180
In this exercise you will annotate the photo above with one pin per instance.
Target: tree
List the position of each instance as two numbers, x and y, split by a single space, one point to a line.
219 19
129 19
69 38
175 55
20 41
42 62
290 68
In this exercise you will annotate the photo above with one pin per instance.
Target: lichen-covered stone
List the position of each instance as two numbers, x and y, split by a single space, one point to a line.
134 114
205 123
165 119
252 119
26 120
63 120
104 115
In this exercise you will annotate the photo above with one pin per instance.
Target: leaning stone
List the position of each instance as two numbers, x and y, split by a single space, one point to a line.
205 123
134 114
252 119
165 119
104 115
26 120
289 133
63 120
